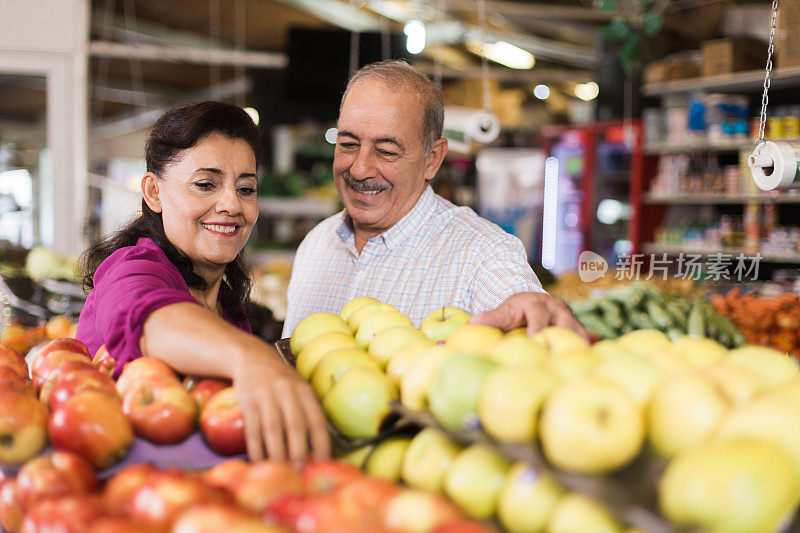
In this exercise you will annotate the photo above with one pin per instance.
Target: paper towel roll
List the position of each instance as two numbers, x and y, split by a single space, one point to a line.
774 165
462 124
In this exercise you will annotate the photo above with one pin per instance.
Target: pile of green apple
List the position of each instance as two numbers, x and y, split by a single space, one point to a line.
727 421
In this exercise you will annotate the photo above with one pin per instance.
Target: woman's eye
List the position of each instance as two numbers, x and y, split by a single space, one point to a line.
247 191
204 185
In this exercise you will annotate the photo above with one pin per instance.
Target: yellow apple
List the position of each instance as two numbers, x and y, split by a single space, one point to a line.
609 348
357 457
474 480
377 322
453 399
644 341
510 399
354 305
635 375
575 363
331 366
418 511
788 392
518 332
575 513
421 374
527 500
427 458
591 426
364 311
698 352
737 486
773 366
737 383
514 350
388 341
667 362
685 411
386 459
312 326
359 402
315 350
473 338
402 358
438 325
559 339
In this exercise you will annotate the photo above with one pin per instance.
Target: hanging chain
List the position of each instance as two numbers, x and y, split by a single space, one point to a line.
215 72
487 102
437 60
240 31
765 97
355 43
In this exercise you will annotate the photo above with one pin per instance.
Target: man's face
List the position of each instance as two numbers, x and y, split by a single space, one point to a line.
380 166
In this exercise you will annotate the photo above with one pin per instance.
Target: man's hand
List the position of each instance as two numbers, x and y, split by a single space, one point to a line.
537 310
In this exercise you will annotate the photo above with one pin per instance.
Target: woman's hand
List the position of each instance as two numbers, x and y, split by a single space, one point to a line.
282 418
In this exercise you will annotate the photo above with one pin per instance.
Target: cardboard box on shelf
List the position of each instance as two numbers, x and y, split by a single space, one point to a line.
723 56
787 35
656 72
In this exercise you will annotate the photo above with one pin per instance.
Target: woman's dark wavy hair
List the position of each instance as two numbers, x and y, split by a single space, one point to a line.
177 130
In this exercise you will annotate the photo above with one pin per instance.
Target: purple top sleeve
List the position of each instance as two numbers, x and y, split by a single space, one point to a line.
129 285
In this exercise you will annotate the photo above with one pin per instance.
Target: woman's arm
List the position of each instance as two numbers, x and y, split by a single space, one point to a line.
279 408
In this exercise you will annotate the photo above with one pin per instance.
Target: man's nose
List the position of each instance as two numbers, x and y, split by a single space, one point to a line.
363 166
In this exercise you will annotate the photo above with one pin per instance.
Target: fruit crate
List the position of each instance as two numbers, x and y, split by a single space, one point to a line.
394 425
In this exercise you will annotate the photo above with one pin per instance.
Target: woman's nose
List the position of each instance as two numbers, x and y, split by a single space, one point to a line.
229 201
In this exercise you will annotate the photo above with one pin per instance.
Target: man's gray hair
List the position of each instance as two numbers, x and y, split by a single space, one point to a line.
395 72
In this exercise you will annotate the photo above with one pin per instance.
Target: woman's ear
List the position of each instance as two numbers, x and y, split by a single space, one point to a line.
150 191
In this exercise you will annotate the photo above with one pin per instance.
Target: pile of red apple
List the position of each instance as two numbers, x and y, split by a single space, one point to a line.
61 492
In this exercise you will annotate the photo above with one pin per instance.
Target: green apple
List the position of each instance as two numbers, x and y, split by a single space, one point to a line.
359 401
773 366
315 350
697 351
453 399
360 314
312 326
515 350
438 325
421 374
635 375
736 486
388 341
575 513
354 305
427 458
644 341
737 383
591 426
386 459
559 339
357 457
510 399
403 357
474 480
685 411
331 366
472 338
573 363
770 418
377 322
527 500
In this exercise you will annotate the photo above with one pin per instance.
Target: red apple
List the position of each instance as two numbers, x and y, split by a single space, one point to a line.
323 513
227 474
92 425
11 380
418 510
103 361
10 509
464 526
13 360
204 389
222 424
263 482
367 499
120 489
62 343
141 368
43 367
160 409
325 476
55 475
68 514
285 509
78 381
166 494
23 423
116 524
55 374
213 518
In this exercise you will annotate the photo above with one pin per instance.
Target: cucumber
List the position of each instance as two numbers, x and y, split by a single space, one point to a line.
674 333
585 306
676 313
696 323
595 324
658 316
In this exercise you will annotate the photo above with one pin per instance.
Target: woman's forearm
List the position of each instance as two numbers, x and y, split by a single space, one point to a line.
192 340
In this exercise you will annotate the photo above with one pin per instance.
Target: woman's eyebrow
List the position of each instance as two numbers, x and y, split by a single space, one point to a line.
209 169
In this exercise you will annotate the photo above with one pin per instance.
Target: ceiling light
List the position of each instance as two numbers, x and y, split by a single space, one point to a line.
541 91
415 36
253 114
587 91
508 55
331 135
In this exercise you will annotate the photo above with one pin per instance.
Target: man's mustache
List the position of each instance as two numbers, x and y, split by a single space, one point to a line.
365 185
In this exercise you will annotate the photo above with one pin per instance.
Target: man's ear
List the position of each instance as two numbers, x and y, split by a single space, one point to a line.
434 159
150 191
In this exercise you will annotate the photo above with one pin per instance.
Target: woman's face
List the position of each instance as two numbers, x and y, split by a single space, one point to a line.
208 200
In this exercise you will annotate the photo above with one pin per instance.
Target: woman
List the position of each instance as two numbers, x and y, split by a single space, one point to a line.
172 283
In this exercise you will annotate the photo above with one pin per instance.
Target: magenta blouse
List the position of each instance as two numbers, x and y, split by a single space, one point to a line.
130 284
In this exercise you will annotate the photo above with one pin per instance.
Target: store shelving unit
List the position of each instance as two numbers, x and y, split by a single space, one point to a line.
750 80
697 147
705 198
301 207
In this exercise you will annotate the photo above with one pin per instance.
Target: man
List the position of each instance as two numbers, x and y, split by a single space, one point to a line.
398 241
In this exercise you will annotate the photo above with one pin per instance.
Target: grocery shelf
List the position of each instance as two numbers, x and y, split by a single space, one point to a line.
651 248
698 146
705 198
750 80
312 207
266 256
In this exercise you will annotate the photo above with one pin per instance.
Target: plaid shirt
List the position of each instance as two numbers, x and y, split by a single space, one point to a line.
437 255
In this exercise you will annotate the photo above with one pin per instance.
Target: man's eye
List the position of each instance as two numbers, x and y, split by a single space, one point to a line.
387 153
348 146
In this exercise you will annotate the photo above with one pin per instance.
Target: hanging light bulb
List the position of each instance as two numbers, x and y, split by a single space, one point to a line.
587 91
415 36
253 114
541 91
